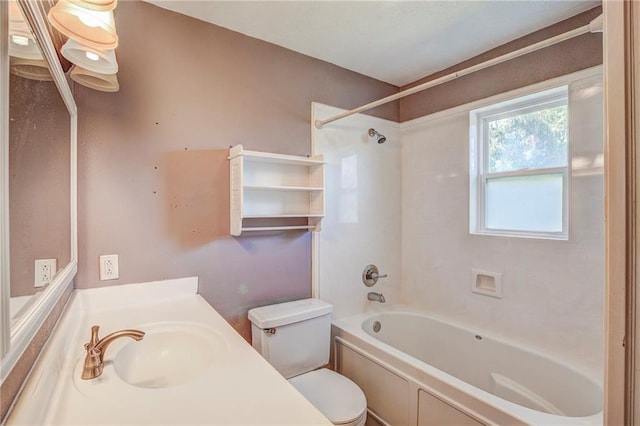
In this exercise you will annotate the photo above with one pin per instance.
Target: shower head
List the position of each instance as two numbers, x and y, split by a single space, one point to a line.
381 138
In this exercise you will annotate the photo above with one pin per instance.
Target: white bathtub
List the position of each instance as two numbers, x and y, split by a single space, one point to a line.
419 370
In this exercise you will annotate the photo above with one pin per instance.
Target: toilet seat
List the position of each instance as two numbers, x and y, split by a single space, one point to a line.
334 395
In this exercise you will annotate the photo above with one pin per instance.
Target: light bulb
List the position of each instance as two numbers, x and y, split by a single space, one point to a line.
20 40
88 19
92 56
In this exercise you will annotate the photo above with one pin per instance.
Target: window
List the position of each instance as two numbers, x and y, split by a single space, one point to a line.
519 154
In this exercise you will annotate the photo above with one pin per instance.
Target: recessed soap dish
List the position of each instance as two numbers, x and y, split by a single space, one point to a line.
487 283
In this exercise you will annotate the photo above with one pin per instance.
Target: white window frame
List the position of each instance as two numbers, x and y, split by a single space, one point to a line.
479 161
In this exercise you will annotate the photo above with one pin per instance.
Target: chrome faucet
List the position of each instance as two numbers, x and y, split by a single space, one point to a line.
376 297
371 275
96 348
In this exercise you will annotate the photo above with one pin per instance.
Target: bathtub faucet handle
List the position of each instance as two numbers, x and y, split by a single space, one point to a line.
371 274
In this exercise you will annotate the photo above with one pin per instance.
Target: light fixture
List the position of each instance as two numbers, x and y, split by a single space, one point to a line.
22 44
94 80
100 5
17 22
96 60
33 69
91 29
86 22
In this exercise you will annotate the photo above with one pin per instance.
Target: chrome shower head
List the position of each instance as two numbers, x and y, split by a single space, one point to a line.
381 138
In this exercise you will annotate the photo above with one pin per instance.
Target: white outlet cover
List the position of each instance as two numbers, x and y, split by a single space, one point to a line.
45 270
109 267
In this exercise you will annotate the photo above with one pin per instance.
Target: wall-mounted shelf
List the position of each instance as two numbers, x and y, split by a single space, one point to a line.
267 190
280 216
279 228
281 188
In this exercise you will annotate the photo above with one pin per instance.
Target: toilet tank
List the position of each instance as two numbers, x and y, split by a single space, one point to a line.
293 336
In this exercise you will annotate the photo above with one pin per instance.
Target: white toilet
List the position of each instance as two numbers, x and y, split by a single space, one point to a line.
295 338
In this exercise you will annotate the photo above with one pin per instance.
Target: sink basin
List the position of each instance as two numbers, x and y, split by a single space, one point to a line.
170 354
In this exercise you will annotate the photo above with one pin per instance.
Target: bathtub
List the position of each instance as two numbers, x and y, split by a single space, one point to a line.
420 370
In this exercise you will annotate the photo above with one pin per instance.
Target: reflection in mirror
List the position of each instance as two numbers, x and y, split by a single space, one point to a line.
25 57
39 175
39 212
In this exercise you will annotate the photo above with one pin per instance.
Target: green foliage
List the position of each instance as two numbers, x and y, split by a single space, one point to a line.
529 141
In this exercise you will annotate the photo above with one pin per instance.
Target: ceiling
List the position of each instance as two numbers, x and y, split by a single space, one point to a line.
397 42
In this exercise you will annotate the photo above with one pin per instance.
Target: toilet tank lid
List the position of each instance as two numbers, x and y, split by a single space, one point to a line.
288 313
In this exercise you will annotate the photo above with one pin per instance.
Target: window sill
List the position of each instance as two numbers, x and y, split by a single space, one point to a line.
557 236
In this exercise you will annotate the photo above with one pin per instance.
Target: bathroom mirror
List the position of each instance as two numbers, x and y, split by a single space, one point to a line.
39 216
38 201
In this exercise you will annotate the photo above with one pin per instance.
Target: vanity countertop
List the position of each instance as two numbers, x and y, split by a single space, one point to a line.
240 388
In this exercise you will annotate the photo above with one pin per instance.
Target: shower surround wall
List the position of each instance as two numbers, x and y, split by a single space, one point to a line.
153 170
552 290
541 294
362 210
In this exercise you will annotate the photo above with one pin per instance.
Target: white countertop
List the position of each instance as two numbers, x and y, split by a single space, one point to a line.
239 389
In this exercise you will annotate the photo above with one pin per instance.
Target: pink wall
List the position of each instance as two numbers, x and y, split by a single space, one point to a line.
564 58
39 190
153 173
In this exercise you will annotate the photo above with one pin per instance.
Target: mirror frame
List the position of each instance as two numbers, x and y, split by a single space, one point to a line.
15 340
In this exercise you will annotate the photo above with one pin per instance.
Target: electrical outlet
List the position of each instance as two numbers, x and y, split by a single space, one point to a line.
109 267
45 269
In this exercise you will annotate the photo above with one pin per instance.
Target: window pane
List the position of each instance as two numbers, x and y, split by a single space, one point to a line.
533 140
525 203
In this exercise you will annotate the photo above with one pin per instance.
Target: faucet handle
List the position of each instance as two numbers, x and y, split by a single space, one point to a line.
370 275
94 338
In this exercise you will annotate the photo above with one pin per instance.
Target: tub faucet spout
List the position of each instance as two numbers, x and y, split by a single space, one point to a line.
94 360
376 297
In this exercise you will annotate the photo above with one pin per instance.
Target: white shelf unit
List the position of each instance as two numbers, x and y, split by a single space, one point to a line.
269 190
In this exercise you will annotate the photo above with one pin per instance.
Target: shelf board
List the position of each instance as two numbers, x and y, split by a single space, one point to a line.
278 228
283 188
280 216
267 157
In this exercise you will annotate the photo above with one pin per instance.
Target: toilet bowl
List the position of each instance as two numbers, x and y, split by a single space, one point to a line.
294 337
335 396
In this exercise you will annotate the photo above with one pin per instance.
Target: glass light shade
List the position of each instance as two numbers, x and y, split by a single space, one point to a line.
83 56
33 69
93 28
22 43
94 80
24 46
100 5
17 22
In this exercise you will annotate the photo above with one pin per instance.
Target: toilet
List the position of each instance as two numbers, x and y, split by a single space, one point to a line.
295 338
